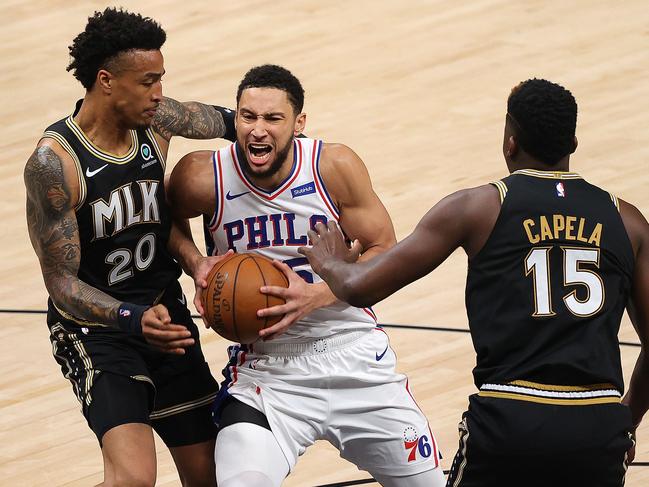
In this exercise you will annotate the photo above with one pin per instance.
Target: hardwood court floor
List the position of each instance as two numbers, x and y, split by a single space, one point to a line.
417 88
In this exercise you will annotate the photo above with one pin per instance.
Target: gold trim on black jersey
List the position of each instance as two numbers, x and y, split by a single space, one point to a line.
553 394
502 189
548 174
154 141
68 148
78 321
99 153
181 408
615 201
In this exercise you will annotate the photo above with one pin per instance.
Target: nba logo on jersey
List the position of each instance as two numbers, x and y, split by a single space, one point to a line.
561 191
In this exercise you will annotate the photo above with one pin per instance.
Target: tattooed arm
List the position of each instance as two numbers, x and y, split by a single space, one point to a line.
193 120
54 235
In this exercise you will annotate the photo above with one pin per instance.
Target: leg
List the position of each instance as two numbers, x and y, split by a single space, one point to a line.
430 478
195 464
130 450
248 455
118 414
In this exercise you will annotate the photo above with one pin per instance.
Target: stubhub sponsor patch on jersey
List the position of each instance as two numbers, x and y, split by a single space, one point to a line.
307 188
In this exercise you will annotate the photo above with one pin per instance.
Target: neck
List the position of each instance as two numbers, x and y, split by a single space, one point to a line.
525 161
101 126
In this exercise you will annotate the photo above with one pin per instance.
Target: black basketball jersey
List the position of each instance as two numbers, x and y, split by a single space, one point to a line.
546 293
123 219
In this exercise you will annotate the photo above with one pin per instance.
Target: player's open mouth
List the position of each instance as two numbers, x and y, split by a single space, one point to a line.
259 154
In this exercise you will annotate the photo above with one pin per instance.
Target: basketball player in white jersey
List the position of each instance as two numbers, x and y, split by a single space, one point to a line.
325 371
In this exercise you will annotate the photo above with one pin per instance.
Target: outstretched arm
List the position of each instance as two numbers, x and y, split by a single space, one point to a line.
463 219
192 120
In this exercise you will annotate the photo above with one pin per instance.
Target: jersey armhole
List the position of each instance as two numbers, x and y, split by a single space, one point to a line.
215 221
49 134
156 147
502 190
319 181
615 201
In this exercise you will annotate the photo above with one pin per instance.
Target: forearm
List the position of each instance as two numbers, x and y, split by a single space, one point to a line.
193 120
182 247
79 299
637 397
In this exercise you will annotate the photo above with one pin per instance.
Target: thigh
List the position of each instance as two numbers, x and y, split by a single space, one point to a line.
129 454
185 392
430 478
375 421
117 400
248 454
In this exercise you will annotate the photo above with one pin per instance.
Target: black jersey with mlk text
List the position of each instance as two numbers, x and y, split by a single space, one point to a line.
123 219
546 294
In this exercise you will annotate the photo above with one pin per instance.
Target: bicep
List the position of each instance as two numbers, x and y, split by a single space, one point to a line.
51 219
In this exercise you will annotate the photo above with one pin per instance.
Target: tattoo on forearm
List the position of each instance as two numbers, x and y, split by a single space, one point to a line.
54 234
191 120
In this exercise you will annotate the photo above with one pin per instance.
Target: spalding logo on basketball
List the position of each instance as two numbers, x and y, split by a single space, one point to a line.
232 297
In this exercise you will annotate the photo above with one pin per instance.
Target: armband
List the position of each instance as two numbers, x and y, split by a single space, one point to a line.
228 119
129 317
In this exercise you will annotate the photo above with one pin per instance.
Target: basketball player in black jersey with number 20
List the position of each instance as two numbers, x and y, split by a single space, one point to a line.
553 262
98 221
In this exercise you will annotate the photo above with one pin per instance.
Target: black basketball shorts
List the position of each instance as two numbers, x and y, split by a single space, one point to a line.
173 393
508 442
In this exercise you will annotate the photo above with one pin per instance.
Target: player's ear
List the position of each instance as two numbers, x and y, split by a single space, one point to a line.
300 123
574 145
104 81
511 147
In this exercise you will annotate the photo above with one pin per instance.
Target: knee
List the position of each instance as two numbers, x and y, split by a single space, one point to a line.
135 478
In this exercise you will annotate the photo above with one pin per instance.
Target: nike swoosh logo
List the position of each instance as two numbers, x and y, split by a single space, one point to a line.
379 357
90 173
233 196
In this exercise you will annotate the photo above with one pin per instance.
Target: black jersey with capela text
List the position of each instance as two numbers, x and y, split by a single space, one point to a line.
123 219
546 293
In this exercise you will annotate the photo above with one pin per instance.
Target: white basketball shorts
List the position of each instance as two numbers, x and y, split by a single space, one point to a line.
343 389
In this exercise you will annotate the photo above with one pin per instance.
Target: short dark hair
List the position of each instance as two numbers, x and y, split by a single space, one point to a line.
108 34
273 76
545 119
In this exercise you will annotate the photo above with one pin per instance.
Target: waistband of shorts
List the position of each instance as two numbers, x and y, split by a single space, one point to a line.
312 347
561 395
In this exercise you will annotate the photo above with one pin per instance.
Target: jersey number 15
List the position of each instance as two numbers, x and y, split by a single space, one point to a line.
537 263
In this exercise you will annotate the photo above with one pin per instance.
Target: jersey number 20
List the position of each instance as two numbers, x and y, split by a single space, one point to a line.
537 263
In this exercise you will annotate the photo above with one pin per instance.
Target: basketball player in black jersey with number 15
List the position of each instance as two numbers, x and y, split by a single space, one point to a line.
98 221
553 262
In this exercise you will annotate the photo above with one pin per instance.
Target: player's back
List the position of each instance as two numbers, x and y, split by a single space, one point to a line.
546 293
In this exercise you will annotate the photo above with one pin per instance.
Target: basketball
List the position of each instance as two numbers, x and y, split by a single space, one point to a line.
232 297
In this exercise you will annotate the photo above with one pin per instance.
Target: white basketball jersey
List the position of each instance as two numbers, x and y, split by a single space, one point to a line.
275 223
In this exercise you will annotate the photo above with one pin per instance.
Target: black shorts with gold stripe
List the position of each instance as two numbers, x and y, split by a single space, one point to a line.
524 433
95 358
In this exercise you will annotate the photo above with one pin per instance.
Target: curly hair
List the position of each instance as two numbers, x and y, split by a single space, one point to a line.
108 34
273 76
545 119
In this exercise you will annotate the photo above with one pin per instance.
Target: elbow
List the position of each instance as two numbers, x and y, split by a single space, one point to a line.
355 295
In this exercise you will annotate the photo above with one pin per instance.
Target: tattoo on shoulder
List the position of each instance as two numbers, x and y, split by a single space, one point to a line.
191 120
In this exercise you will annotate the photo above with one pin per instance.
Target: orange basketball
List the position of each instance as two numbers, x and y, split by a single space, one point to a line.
232 297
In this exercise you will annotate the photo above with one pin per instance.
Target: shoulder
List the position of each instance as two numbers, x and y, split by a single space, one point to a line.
635 224
191 184
343 172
